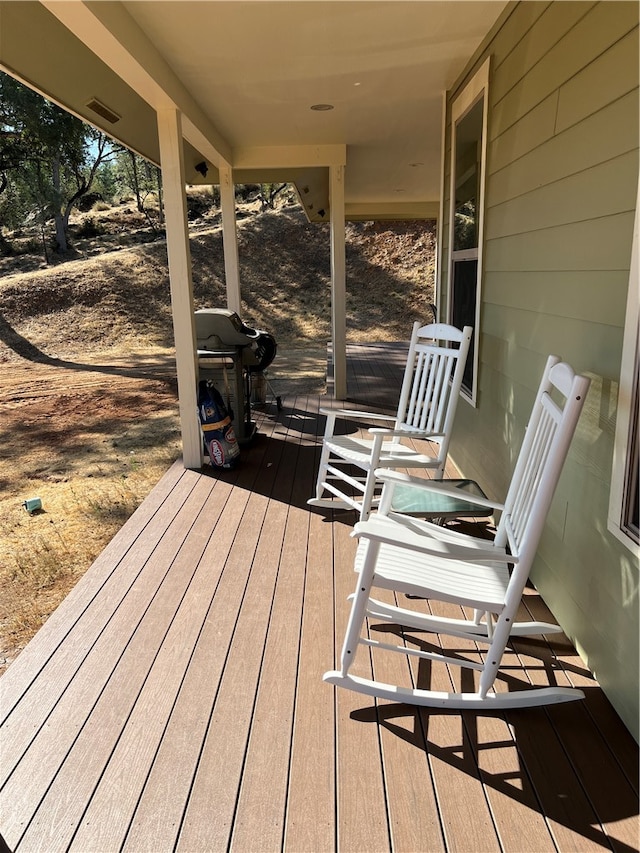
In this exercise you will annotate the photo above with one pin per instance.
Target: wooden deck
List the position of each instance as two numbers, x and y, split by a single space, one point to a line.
175 699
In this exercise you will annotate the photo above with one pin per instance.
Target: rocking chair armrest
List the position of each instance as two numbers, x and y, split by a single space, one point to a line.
403 534
406 433
387 475
354 413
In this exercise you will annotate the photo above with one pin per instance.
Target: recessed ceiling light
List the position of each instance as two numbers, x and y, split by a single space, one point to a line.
321 108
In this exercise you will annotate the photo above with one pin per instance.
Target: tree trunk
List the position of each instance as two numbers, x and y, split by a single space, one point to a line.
6 249
59 219
135 182
160 198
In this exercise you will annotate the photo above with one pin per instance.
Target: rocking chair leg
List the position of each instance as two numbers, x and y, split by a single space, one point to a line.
370 484
479 615
358 609
494 653
367 499
322 471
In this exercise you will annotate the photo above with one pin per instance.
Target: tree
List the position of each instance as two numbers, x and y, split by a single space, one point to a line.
266 194
143 179
13 153
269 193
50 154
72 178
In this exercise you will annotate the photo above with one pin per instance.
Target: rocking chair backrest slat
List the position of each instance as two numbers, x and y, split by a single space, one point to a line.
433 373
540 461
437 407
427 398
407 391
548 424
421 387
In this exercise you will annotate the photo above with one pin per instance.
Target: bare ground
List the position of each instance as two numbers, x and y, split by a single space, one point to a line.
88 397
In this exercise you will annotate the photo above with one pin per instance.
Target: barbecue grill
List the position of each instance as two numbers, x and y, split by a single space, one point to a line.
230 353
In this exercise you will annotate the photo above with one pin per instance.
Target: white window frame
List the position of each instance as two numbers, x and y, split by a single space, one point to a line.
621 477
476 88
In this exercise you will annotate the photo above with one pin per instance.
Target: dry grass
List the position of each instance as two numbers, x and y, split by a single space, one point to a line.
90 414
45 554
90 445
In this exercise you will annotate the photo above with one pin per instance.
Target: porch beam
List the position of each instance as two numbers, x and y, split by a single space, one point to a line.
289 156
392 211
179 256
338 282
230 238
111 34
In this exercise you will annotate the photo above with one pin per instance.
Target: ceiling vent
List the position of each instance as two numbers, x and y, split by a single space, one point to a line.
99 108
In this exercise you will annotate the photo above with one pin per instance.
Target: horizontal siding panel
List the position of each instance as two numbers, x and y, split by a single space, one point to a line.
510 376
506 363
549 28
601 244
533 129
480 453
592 36
603 190
593 605
487 440
589 347
583 146
611 75
596 297
595 436
515 29
589 461
611 596
619 582
605 649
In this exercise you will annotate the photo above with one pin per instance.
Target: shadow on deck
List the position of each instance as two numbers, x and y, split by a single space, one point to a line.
175 699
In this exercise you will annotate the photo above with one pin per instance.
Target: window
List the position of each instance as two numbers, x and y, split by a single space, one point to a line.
630 520
623 504
468 157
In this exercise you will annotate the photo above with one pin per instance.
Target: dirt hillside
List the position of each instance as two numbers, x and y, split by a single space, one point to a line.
88 399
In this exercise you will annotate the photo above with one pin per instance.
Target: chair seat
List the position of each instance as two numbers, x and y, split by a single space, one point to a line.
433 503
358 451
481 585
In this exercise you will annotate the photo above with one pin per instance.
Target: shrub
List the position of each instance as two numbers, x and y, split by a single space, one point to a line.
90 227
199 202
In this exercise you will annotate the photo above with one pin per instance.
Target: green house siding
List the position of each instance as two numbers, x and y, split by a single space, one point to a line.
561 186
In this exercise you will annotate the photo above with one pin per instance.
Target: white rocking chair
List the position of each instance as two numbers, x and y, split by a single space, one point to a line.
406 555
428 400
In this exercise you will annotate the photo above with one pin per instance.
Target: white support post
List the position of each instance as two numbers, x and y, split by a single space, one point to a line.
230 238
338 282
179 255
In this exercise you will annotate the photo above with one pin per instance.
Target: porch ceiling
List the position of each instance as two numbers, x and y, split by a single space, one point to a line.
245 75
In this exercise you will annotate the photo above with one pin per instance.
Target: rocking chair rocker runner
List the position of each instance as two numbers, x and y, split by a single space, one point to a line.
428 400
407 555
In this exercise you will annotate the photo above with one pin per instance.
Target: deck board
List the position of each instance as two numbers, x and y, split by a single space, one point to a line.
260 813
175 699
311 812
362 819
414 813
